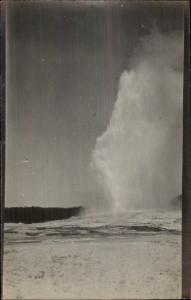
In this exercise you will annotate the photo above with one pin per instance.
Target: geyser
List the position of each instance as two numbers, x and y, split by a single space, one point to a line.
138 159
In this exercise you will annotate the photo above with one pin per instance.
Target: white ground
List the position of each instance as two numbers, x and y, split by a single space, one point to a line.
142 265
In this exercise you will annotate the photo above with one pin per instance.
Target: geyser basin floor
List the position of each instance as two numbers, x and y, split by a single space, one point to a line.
107 259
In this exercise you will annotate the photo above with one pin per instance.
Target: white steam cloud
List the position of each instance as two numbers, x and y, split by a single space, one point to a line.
138 159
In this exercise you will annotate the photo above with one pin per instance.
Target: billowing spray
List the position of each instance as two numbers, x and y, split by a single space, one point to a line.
138 159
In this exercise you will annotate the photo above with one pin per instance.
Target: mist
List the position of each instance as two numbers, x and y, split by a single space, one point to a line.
137 160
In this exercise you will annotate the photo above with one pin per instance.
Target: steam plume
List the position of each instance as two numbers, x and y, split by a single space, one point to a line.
138 158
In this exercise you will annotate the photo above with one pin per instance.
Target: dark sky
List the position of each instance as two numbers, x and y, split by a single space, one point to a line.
64 60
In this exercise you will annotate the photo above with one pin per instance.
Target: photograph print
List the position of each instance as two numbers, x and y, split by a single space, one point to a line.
94 145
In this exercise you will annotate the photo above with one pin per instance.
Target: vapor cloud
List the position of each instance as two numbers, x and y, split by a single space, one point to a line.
138 159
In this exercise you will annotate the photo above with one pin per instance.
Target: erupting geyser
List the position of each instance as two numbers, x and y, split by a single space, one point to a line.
138 159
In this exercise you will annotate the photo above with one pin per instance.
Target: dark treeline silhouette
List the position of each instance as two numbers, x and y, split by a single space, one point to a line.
35 214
